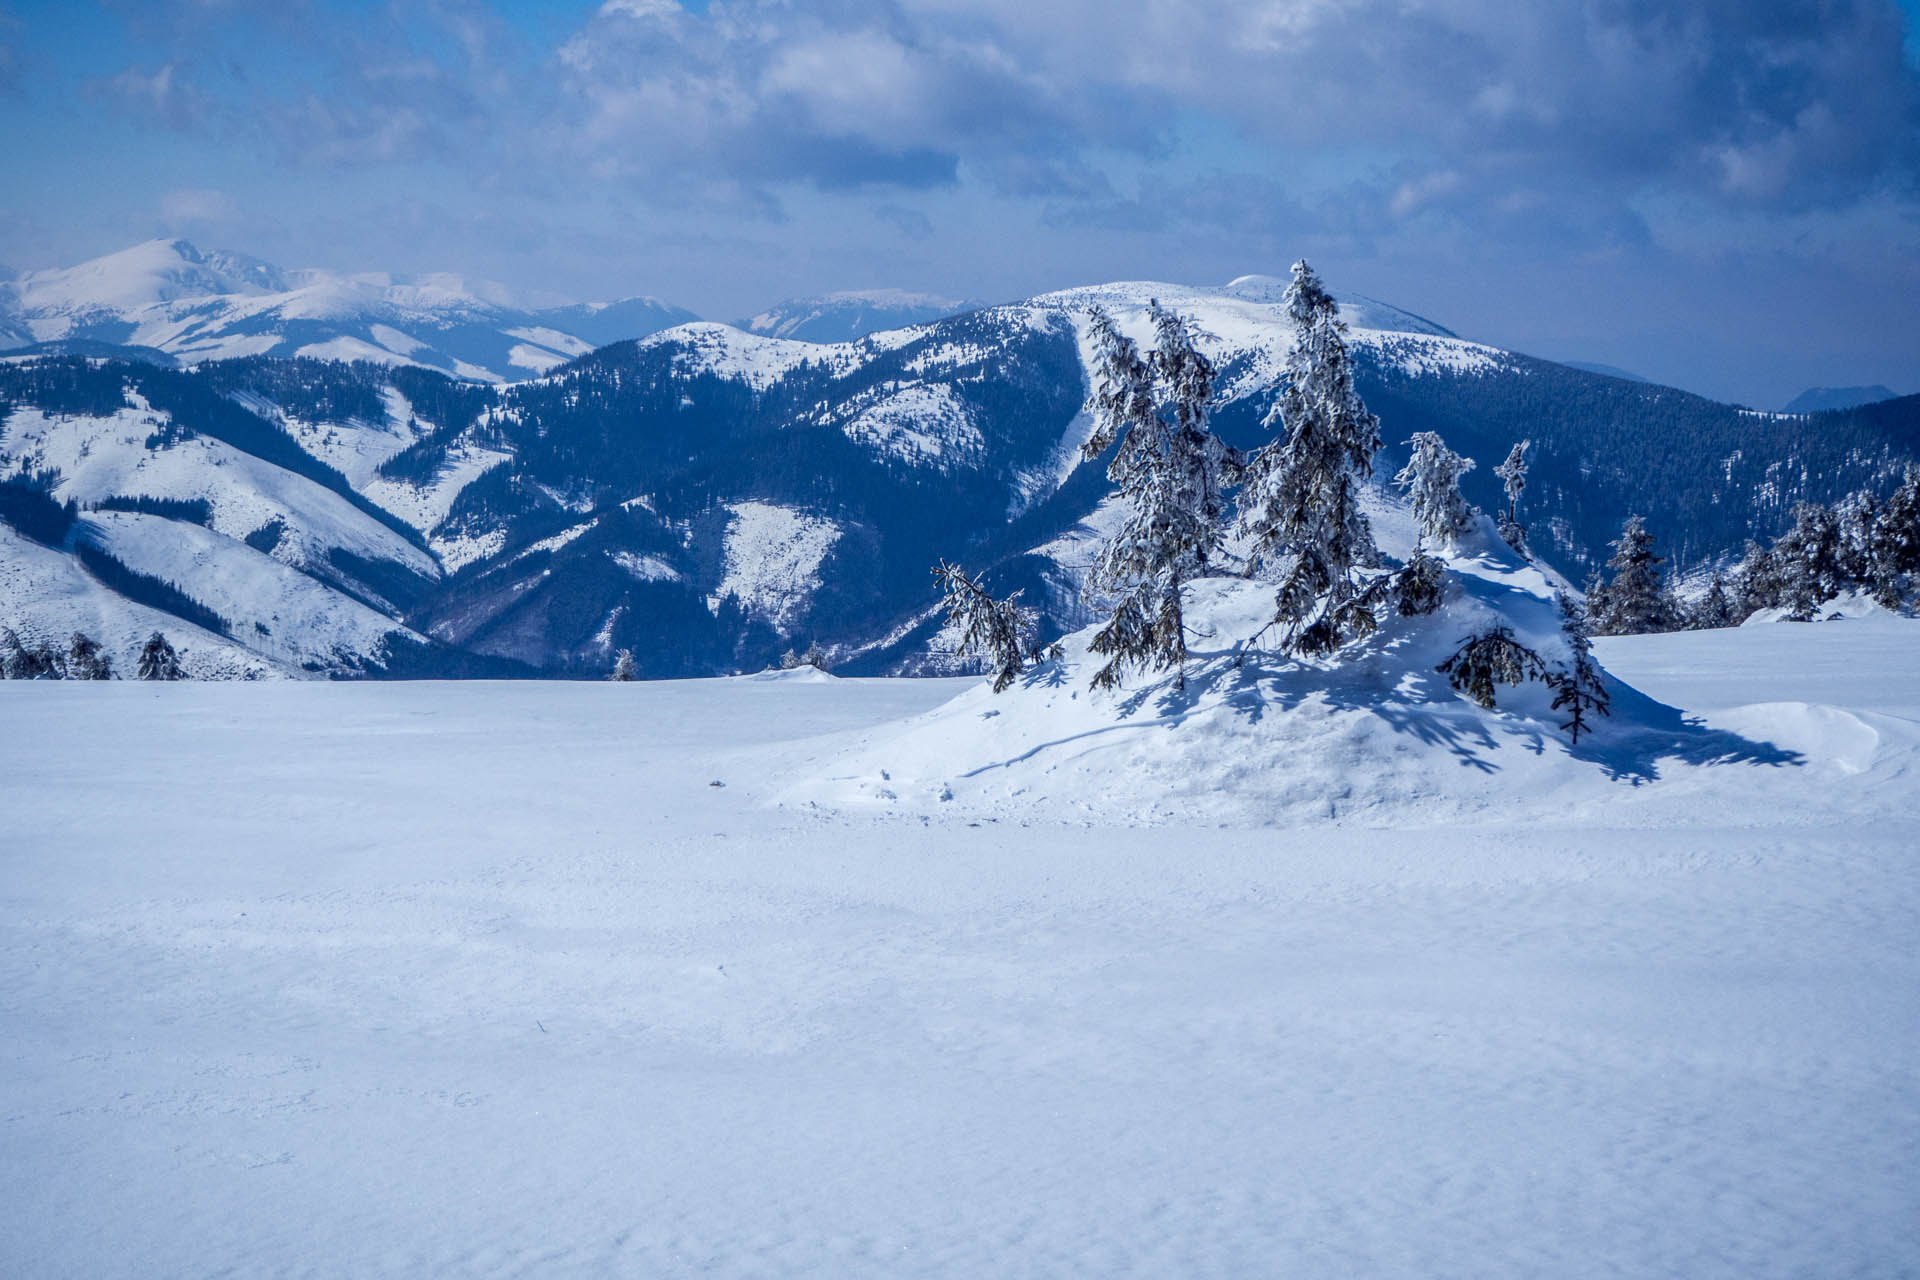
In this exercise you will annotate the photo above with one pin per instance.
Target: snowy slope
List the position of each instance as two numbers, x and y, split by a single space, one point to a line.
99 458
1244 329
488 979
46 596
772 557
283 614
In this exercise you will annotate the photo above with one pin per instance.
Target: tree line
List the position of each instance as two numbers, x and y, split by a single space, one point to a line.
1859 545
84 659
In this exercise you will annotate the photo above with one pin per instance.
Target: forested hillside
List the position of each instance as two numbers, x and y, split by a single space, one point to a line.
710 498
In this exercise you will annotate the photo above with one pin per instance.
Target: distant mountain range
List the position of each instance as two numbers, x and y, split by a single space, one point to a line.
1826 399
168 296
843 317
1607 370
710 497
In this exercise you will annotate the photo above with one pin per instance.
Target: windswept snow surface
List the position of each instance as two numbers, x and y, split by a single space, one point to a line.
489 979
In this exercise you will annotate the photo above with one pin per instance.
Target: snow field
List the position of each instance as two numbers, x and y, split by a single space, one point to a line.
487 979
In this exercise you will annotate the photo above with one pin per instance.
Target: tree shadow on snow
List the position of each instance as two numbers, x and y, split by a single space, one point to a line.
1643 733
1631 746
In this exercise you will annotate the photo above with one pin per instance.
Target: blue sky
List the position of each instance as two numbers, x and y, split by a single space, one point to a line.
1721 194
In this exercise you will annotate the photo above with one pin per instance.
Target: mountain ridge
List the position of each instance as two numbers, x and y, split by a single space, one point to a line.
710 497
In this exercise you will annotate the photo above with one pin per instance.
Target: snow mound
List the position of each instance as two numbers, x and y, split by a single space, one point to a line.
1379 738
803 674
1848 606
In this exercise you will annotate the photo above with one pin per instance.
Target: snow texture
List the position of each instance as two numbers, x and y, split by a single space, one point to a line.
488 979
773 556
919 423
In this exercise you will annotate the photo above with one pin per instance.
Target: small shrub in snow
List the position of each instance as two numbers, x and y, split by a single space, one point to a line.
1490 658
814 657
1579 689
158 661
1431 480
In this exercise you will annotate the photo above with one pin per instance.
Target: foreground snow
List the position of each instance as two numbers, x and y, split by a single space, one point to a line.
489 979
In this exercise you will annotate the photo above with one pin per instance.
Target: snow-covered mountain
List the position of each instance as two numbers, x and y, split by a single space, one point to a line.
845 316
710 497
1358 310
197 305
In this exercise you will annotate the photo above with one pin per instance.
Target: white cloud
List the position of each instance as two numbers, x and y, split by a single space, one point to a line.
197 204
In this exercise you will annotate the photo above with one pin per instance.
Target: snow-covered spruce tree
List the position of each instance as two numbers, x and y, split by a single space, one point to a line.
86 661
18 662
1420 585
1894 545
1001 631
1854 519
1431 480
1808 559
53 663
15 663
1757 583
1715 609
1171 470
1636 600
1490 658
1580 688
1513 475
623 668
158 661
1300 507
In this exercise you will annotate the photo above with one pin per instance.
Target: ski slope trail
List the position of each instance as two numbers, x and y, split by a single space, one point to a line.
490 979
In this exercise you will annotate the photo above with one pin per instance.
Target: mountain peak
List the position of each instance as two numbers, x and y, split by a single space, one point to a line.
1358 310
153 271
1824 399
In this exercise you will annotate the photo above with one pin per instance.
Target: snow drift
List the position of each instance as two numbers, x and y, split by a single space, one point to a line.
1376 736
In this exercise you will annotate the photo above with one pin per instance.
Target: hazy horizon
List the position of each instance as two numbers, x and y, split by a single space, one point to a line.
1720 197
